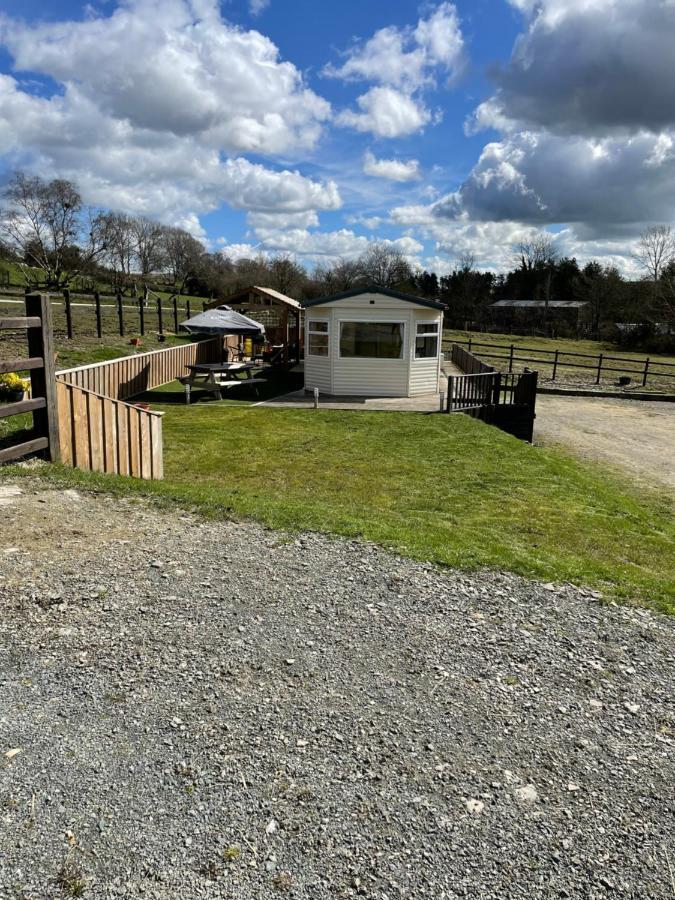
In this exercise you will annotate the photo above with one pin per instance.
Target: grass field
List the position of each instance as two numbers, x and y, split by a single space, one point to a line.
442 488
83 283
85 347
546 346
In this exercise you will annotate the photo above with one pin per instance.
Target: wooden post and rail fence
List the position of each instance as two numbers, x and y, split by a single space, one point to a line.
39 361
129 314
80 415
642 369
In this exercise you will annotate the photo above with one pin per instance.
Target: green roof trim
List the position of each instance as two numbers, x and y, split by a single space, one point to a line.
386 292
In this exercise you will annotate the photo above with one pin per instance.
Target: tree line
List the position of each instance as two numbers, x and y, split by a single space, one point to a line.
49 233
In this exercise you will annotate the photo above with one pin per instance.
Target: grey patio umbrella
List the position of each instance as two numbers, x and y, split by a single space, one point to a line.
222 320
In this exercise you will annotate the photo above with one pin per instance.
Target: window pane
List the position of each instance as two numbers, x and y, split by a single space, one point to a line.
374 340
315 325
427 328
318 345
426 347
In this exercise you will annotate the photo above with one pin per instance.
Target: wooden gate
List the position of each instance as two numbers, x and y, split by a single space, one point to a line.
37 323
506 400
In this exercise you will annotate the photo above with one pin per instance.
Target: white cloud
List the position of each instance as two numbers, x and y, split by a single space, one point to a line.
370 222
605 185
241 251
586 111
401 62
588 67
277 220
386 112
407 58
257 6
176 67
326 246
153 99
393 169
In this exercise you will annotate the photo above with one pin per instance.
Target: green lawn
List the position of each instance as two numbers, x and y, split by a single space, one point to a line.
442 488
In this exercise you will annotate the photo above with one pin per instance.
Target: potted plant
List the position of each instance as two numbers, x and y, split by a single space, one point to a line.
13 387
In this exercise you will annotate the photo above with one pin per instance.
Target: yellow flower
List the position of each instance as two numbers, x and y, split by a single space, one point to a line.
11 383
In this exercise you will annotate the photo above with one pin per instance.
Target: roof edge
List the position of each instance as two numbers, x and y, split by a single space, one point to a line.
387 292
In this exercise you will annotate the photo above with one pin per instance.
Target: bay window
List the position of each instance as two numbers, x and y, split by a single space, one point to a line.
371 340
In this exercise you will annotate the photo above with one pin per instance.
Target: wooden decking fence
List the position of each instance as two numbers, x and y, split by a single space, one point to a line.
99 434
129 376
80 414
98 431
506 400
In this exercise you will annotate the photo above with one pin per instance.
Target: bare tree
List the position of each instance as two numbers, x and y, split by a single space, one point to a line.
45 225
538 252
539 255
285 275
184 255
343 275
148 235
117 236
466 261
655 253
384 266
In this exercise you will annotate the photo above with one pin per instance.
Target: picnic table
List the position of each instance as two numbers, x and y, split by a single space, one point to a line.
216 377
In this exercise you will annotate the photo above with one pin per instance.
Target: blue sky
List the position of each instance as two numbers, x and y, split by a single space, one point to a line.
313 129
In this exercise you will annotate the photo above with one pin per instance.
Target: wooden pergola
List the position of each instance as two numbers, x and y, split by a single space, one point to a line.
279 314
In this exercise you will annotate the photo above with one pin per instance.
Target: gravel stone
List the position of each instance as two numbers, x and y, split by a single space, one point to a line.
437 734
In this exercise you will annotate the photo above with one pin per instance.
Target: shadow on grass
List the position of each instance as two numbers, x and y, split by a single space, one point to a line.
275 383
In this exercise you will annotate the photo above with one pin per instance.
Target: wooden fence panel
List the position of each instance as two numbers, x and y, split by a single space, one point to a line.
99 434
128 376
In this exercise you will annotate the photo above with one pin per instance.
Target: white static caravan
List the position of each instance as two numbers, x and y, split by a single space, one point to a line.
373 343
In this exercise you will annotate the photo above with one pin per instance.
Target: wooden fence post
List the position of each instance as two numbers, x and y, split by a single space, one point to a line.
43 381
69 313
187 308
175 315
597 380
511 359
555 365
120 314
141 314
644 376
97 303
160 327
497 387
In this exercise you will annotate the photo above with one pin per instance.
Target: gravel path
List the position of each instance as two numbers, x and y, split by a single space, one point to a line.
217 710
637 436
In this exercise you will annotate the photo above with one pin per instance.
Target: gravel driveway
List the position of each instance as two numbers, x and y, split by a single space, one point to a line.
635 435
217 710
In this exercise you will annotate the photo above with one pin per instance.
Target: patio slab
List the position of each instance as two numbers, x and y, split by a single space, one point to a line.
423 403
